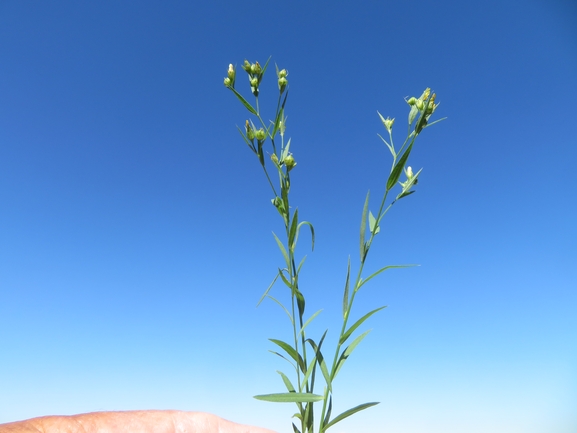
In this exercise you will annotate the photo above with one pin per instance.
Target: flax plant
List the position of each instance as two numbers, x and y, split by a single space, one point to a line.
306 363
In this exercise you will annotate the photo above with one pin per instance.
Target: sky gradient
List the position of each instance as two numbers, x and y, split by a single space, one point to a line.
135 225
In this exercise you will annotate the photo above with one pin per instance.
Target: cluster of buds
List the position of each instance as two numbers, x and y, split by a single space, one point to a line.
282 80
230 76
252 132
425 106
288 161
255 74
388 122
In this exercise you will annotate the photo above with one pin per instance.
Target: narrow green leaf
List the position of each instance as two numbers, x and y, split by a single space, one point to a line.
346 295
301 263
285 151
282 306
290 397
284 279
310 319
267 290
358 323
321 360
373 223
391 149
436 121
312 232
284 357
282 249
265 66
346 353
293 230
348 413
300 303
370 277
286 381
329 410
398 168
246 140
277 122
244 102
291 352
363 226
295 428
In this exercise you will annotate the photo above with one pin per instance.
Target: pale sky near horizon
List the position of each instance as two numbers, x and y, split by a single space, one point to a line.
135 225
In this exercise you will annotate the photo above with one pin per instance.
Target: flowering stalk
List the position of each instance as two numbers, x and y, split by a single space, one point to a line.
301 392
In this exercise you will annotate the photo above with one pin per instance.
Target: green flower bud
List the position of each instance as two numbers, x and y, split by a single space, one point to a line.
412 101
255 69
254 82
249 131
289 162
388 122
409 172
420 104
283 73
227 82
425 94
282 83
274 158
231 72
260 135
246 66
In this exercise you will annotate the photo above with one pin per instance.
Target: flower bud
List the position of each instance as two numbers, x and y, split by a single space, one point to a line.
260 135
388 122
289 162
231 72
420 104
409 172
425 94
227 82
249 131
274 158
282 73
412 101
254 82
246 66
282 83
255 69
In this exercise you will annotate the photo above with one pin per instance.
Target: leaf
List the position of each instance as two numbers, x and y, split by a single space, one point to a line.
321 360
382 270
267 290
346 353
246 140
310 319
300 303
398 168
348 413
373 223
301 263
346 295
363 226
244 102
389 146
282 306
284 279
291 352
282 249
293 230
277 122
312 232
283 357
286 381
290 397
329 410
295 429
358 323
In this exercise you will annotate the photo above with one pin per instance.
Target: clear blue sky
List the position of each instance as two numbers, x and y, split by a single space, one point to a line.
135 225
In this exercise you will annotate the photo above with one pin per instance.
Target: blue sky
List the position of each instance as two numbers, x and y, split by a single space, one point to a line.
135 225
